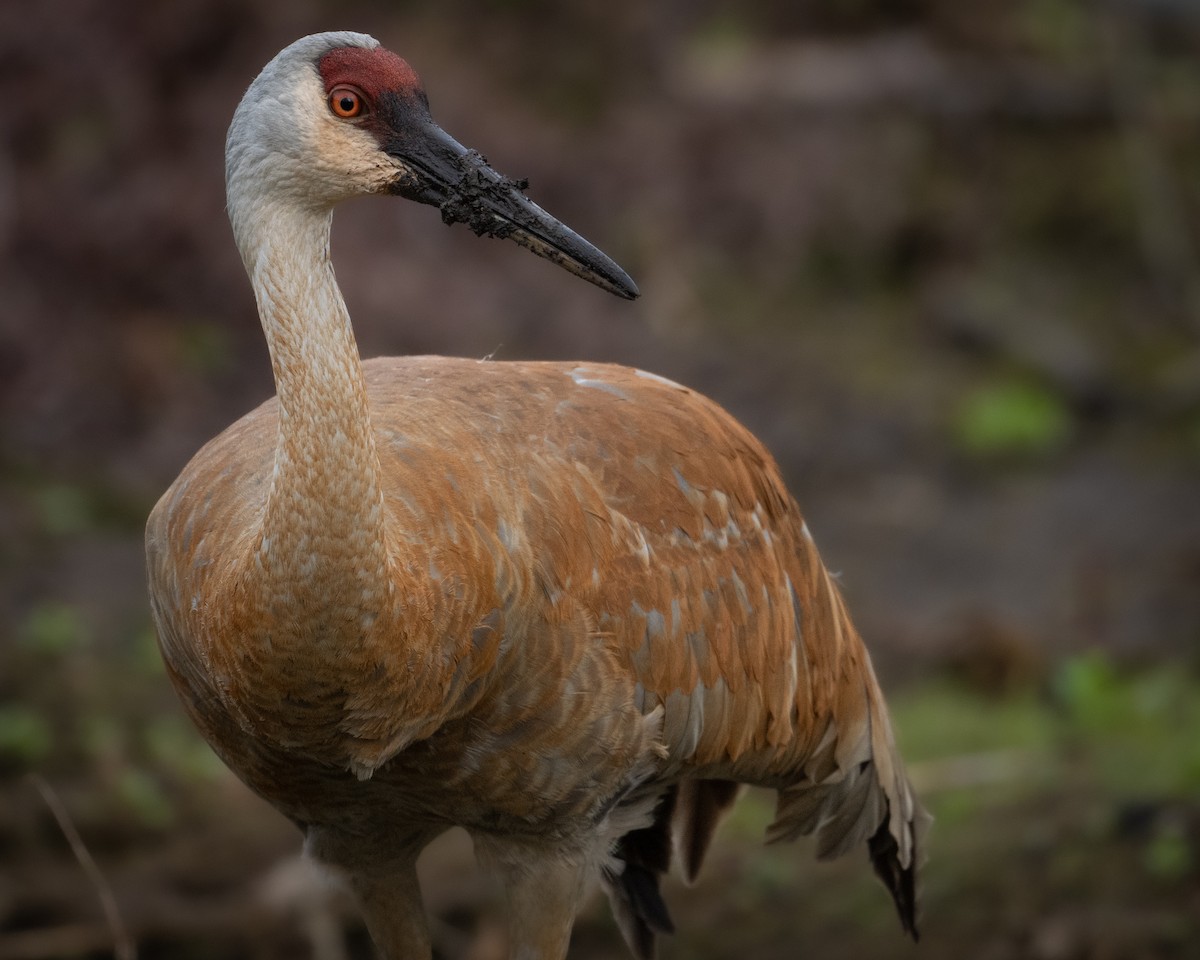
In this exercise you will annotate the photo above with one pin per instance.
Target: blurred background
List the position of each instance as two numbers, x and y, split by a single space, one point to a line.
943 257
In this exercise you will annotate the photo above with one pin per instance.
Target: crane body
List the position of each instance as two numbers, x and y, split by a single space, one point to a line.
568 607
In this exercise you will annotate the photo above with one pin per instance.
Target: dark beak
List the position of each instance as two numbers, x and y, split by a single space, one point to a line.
442 172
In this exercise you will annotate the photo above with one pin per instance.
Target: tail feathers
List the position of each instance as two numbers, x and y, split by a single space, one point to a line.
641 857
684 821
638 907
702 804
900 879
854 790
842 814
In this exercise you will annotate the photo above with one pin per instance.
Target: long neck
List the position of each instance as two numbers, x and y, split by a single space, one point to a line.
322 551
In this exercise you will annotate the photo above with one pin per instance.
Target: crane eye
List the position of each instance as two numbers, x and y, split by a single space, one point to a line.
346 102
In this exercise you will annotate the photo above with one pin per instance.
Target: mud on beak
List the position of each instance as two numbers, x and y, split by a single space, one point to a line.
440 171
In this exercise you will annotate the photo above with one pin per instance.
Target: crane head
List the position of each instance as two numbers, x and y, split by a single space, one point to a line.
336 115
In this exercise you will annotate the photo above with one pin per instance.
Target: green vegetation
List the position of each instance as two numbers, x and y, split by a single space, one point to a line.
1012 417
64 509
25 736
54 629
1127 735
142 795
1064 30
1139 730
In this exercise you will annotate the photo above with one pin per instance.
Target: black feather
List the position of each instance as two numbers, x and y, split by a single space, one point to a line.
900 881
645 855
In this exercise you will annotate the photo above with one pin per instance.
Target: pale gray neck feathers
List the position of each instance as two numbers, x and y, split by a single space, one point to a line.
322 547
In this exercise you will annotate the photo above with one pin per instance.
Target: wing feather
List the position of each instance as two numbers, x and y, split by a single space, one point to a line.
698 566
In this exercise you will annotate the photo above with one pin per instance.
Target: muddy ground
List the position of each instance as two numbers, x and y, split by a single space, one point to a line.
942 258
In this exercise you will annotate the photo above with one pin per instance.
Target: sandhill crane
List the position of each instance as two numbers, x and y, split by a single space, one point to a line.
567 607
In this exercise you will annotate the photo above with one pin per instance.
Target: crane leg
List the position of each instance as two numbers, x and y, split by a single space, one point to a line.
395 916
544 889
386 887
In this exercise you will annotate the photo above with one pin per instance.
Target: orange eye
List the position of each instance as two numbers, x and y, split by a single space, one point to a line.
346 102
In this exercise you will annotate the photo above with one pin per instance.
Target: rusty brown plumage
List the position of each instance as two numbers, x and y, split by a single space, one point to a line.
568 607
